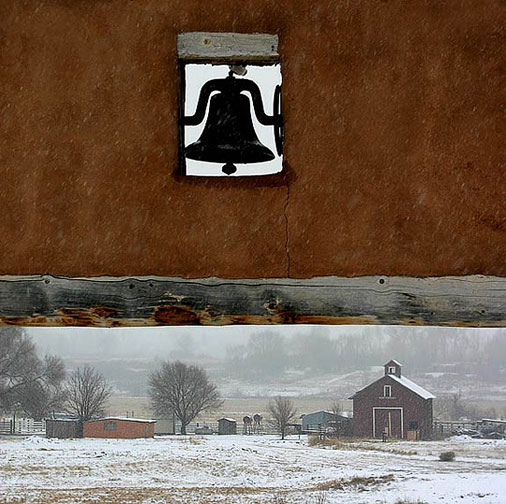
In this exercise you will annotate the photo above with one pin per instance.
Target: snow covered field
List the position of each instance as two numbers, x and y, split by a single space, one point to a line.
248 469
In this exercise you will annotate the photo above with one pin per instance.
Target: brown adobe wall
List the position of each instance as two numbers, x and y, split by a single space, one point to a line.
395 115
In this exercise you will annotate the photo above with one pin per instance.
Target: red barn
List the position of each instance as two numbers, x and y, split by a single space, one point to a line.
393 405
119 428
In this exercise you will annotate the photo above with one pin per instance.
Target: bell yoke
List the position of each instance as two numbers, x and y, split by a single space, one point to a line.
229 136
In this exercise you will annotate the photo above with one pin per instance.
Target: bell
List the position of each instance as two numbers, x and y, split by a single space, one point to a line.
228 136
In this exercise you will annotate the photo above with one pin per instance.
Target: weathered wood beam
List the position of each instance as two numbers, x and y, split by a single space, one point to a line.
45 300
246 47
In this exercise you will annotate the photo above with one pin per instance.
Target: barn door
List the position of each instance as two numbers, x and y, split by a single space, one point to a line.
389 421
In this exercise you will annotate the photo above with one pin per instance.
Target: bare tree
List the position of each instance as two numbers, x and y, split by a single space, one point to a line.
87 393
28 383
39 398
183 390
335 409
454 407
282 412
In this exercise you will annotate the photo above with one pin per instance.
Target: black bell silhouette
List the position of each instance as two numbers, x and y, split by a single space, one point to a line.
228 135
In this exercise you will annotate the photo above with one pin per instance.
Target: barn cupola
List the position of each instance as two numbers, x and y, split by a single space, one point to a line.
393 368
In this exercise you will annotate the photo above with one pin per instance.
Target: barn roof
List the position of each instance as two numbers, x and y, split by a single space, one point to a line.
393 361
413 387
125 419
424 394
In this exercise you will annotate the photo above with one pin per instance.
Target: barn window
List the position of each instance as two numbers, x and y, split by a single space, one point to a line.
413 425
108 426
391 370
387 391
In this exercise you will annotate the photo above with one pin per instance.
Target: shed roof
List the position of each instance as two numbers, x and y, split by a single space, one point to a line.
493 420
318 412
123 419
75 420
62 416
227 419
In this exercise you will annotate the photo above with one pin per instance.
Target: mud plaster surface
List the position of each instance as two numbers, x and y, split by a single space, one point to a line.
395 117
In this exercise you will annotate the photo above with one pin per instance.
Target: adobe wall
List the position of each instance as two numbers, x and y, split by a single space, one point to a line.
395 116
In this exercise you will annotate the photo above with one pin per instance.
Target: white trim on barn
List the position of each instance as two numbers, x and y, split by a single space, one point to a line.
386 408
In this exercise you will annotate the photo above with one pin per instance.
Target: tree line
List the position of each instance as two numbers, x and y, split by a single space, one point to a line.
268 354
37 386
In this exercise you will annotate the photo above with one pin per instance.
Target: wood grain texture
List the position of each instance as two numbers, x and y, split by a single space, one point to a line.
42 300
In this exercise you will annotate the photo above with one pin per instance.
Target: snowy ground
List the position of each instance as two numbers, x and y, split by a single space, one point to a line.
248 469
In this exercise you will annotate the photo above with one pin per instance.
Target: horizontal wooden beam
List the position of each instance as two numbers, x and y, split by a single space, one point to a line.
227 46
46 300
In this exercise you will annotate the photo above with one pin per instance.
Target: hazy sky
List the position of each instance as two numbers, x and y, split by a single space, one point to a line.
156 341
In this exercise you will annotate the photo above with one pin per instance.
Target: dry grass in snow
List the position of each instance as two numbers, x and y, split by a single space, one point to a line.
248 469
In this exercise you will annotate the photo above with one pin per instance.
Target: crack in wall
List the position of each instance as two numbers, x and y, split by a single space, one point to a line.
287 231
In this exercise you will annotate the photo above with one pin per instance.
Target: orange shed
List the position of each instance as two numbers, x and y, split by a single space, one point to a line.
119 428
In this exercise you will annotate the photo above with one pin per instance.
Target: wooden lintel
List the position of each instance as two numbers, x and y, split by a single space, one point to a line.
474 301
245 47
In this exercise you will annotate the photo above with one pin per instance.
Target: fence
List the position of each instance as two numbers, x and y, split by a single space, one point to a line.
28 426
21 426
265 428
448 427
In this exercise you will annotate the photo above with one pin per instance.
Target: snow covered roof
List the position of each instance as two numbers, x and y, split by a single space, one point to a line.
393 361
413 387
62 416
126 419
425 394
227 419
317 412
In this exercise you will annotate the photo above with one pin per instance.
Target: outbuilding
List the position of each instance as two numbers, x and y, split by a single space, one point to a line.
337 423
317 421
165 426
227 426
393 406
119 428
62 428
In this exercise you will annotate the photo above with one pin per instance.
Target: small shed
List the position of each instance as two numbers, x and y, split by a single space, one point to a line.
119 428
165 426
227 426
62 428
317 420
